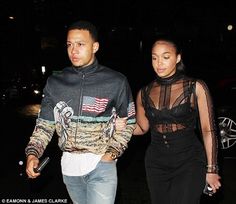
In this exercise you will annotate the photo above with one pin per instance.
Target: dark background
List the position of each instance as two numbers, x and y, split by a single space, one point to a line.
33 34
36 35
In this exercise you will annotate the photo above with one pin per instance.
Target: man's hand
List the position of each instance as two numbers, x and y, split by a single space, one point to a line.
32 163
106 157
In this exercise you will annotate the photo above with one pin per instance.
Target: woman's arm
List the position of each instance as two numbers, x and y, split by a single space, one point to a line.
208 127
142 124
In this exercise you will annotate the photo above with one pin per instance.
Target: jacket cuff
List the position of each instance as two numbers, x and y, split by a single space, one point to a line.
31 151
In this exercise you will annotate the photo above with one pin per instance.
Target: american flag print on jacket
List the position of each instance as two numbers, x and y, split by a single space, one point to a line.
84 101
94 104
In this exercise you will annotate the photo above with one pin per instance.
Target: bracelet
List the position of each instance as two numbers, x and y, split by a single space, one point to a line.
211 165
212 168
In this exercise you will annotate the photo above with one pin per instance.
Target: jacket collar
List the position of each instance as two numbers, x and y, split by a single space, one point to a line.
88 69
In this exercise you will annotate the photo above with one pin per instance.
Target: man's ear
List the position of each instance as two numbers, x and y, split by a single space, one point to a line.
178 58
95 47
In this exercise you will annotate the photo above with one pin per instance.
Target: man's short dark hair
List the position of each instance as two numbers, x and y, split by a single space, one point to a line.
85 25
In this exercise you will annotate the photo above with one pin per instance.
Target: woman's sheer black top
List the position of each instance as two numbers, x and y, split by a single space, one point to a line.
171 105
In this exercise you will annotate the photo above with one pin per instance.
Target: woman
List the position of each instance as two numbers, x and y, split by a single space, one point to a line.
178 162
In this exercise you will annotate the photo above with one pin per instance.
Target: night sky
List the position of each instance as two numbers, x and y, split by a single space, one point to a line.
33 33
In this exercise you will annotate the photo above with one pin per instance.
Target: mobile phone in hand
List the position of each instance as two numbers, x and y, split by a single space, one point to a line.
41 165
208 190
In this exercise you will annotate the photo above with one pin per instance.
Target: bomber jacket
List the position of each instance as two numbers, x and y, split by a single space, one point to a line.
81 105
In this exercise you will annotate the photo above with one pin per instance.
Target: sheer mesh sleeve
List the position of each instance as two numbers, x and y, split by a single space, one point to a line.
170 107
208 127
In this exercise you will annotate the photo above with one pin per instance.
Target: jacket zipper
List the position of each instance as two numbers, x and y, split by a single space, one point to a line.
80 105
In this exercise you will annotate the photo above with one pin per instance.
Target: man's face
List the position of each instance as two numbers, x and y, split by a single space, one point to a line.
81 48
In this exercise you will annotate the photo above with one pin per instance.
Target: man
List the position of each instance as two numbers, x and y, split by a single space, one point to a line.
81 104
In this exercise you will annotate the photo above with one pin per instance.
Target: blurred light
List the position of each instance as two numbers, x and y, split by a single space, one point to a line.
30 110
11 17
230 27
36 91
141 45
20 162
43 69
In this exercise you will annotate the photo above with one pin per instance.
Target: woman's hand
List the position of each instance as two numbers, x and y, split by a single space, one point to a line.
214 181
121 123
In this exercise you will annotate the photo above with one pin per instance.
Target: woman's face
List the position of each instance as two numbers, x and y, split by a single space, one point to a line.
164 58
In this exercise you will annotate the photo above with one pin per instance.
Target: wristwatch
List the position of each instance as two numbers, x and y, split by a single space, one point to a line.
112 155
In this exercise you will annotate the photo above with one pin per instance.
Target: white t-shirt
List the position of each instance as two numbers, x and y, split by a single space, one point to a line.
74 164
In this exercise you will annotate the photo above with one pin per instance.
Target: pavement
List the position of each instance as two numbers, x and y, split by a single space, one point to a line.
15 187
